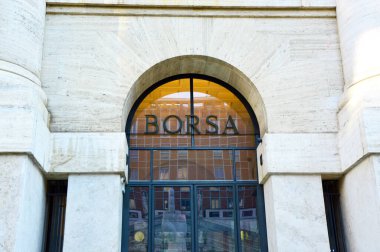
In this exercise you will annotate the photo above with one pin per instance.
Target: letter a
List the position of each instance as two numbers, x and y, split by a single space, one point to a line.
232 126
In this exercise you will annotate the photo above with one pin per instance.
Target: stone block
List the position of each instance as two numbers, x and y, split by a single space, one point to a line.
22 201
359 136
88 153
93 213
360 203
295 213
298 154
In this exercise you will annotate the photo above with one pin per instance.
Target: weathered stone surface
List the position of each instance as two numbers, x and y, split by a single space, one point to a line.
359 29
88 153
22 204
295 213
360 200
91 64
93 213
21 35
298 153
24 118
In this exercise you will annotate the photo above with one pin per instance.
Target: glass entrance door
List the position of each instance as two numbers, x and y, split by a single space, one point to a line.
193 217
215 218
173 225
196 218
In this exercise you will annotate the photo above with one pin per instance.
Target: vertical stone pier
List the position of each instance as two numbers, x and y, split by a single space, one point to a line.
359 122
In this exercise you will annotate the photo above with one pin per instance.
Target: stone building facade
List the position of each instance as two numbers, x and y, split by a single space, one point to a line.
72 70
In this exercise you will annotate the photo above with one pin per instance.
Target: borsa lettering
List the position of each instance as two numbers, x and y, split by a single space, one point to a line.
191 125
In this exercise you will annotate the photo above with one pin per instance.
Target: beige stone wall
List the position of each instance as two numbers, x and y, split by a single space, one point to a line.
91 61
285 61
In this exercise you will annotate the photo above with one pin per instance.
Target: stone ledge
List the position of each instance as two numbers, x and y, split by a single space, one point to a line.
88 153
205 3
298 153
183 11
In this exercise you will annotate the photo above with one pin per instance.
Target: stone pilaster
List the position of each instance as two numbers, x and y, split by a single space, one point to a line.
295 213
93 213
359 121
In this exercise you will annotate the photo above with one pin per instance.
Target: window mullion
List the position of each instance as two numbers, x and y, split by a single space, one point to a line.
192 111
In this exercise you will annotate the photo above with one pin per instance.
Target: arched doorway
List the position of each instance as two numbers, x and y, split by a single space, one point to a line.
192 169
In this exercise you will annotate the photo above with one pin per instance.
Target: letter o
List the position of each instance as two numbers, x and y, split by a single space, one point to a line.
178 130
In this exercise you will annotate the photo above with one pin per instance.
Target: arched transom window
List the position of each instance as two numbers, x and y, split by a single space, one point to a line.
192 169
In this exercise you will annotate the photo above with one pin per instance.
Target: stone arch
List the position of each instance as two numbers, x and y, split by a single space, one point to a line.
199 64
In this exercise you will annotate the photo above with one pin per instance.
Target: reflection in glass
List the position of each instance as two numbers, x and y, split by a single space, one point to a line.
246 165
138 219
171 99
214 105
172 219
215 219
249 233
164 119
199 165
139 165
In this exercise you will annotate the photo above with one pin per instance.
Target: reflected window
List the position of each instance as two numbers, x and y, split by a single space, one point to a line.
182 173
164 173
182 154
134 174
165 155
215 203
218 154
219 173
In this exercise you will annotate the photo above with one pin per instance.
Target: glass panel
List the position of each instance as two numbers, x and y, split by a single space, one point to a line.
139 165
246 165
172 219
249 233
221 119
160 119
215 219
138 219
192 165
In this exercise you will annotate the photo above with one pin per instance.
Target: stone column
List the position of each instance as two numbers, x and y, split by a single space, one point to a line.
359 122
93 213
24 135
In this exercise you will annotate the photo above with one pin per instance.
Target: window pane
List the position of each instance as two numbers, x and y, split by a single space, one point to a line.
172 219
246 165
221 118
249 233
138 219
139 165
160 119
200 165
215 219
